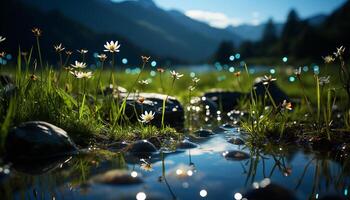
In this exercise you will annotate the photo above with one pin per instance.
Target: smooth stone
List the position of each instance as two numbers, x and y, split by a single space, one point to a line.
6 79
156 142
113 90
173 115
224 99
236 155
142 146
116 177
118 145
40 166
227 126
219 130
38 140
236 141
276 92
271 192
186 144
204 133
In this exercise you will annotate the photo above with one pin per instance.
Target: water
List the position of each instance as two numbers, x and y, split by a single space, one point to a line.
199 173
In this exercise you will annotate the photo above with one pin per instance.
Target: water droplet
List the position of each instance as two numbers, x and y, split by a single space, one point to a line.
141 196
203 193
134 174
238 196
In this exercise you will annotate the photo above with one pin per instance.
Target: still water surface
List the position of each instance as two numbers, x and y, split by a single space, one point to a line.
198 173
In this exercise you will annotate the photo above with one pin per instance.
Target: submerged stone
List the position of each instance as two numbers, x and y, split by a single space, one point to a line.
38 140
118 145
236 141
227 126
142 146
236 155
156 142
271 192
204 133
186 144
116 177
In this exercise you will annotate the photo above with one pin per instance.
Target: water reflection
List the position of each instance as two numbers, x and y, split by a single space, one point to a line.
196 173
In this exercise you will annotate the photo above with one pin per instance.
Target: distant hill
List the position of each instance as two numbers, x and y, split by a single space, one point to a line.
56 29
161 32
254 33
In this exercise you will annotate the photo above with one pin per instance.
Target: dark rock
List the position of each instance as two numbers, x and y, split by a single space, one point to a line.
219 130
186 144
277 94
204 133
271 192
332 197
8 90
40 166
156 142
227 126
113 90
5 79
236 155
174 112
142 146
116 177
118 145
38 140
236 141
225 100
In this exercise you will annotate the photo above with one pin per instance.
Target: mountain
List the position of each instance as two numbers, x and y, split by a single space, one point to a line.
317 20
56 29
254 33
143 23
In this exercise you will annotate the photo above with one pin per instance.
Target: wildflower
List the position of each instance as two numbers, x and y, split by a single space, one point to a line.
144 82
237 74
33 77
268 79
80 75
58 48
340 51
2 39
191 88
145 59
112 46
328 59
77 64
176 75
102 57
160 70
297 72
68 68
141 100
82 51
147 117
195 80
324 80
287 105
68 53
146 166
2 54
37 32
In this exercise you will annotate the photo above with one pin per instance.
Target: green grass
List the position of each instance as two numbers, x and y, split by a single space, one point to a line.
89 117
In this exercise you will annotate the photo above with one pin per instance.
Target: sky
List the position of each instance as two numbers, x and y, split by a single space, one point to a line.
221 13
